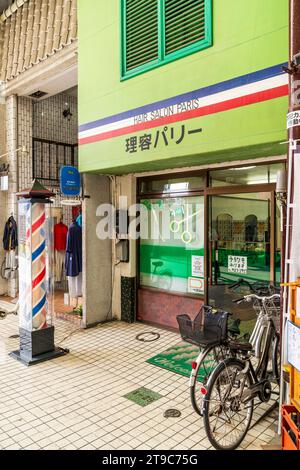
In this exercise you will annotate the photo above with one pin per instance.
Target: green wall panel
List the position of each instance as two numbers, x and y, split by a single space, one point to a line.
242 43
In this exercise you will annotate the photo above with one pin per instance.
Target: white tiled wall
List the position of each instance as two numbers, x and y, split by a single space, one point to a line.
3 194
26 119
12 145
48 120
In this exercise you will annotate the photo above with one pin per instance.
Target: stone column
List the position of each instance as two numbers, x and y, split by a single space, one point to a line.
12 160
3 194
97 254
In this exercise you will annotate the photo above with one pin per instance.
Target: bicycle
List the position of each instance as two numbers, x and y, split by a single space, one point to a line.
212 354
232 387
211 333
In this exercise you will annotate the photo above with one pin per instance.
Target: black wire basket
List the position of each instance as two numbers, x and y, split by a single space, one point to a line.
208 327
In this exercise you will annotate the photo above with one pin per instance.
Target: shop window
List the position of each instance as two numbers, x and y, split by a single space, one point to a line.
172 185
254 174
172 244
251 228
224 227
155 32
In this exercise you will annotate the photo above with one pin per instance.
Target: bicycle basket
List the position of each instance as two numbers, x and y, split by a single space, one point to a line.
272 309
208 327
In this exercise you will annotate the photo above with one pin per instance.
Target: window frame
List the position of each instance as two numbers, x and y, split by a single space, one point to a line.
163 58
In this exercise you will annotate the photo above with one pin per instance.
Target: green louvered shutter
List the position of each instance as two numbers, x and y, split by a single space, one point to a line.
184 24
141 32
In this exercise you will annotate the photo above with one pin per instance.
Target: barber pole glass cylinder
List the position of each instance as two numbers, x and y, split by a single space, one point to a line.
38 267
36 253
35 266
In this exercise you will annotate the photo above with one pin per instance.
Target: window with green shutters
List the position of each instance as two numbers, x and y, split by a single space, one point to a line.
155 32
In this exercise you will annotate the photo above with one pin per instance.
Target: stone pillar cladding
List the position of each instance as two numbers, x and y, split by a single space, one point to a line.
96 253
128 299
124 285
25 134
12 160
3 194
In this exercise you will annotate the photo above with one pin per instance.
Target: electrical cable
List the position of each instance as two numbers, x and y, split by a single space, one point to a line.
140 336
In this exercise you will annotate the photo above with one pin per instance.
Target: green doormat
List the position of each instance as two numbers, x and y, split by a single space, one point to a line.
143 396
177 359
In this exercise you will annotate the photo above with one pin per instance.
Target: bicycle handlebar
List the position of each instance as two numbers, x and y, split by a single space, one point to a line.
240 282
238 301
248 298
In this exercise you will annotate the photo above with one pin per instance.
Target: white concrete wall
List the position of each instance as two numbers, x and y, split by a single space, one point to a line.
97 254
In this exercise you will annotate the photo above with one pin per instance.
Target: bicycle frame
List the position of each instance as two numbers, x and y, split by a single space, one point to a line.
259 376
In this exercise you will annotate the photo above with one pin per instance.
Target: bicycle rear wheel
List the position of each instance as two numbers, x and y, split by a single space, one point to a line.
207 361
226 418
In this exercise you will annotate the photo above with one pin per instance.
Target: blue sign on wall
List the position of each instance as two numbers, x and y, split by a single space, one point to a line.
70 184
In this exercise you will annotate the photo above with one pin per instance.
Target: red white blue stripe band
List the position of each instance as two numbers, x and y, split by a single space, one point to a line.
242 91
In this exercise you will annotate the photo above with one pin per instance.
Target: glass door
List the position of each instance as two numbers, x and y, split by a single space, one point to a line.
241 245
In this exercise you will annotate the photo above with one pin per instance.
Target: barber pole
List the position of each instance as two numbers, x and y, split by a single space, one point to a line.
35 232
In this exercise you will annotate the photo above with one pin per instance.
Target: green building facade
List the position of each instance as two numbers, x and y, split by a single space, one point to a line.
183 104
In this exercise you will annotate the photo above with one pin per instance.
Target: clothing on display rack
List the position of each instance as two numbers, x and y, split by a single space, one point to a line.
10 243
79 220
60 236
60 244
10 236
73 261
59 265
11 264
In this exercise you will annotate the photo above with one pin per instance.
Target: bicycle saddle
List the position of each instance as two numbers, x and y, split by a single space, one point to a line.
240 346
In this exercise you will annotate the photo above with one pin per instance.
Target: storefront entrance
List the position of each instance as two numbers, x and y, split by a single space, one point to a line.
203 233
243 247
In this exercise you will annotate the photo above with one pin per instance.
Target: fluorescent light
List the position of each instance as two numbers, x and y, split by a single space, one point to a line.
244 168
178 186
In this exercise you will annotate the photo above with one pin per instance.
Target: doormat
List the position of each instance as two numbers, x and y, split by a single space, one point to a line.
143 396
177 359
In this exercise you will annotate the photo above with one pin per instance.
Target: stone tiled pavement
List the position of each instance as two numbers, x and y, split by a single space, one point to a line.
76 401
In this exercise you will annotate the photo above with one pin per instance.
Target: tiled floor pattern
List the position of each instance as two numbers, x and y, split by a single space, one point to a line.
77 401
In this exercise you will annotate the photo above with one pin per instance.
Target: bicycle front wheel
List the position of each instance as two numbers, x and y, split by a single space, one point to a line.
207 361
276 359
227 416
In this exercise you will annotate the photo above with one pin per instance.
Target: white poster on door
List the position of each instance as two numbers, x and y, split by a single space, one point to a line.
198 266
293 345
237 264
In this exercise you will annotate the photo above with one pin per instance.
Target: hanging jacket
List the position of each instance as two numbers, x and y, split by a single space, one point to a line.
73 260
10 236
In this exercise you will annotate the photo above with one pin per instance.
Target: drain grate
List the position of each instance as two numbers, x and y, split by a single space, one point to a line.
143 396
172 413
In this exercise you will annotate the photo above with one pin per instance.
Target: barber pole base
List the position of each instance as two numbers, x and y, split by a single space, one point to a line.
37 346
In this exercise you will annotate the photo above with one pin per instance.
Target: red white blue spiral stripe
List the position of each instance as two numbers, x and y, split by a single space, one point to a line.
38 244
